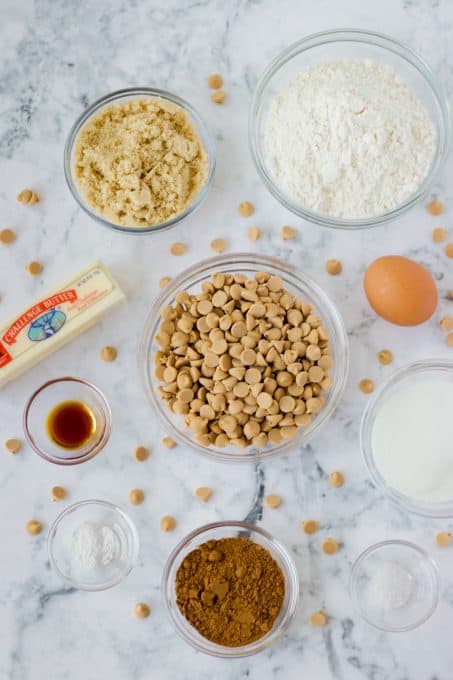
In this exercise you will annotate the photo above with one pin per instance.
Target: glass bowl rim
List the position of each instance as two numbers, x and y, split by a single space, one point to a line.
441 509
111 98
90 453
116 510
329 310
403 51
426 557
184 628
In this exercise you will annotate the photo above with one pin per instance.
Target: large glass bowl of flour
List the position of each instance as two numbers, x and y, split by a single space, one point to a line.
349 129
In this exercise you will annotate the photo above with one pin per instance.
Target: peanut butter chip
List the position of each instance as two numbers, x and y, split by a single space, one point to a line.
330 546
246 209
449 250
108 353
141 453
136 496
443 539
167 523
310 526
165 280
178 249
288 233
142 610
33 527
27 197
34 268
273 501
385 357
318 619
13 445
333 267
58 493
336 479
7 236
439 235
449 340
435 208
254 233
218 245
204 493
215 81
168 442
218 97
366 386
446 323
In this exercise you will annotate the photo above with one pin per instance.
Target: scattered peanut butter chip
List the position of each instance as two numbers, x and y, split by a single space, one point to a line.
178 249
204 493
330 546
450 294
245 209
28 197
136 496
439 234
310 526
366 386
108 353
167 523
254 233
142 610
168 442
141 453
318 619
58 493
333 267
435 208
34 268
449 340
218 245
7 236
446 323
215 81
336 479
273 500
443 539
33 527
288 233
449 250
218 97
385 357
13 445
165 280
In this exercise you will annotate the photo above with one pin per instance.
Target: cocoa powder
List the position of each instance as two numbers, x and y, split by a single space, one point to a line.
231 590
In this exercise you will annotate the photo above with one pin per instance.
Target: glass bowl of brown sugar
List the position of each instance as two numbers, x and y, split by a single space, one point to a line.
230 589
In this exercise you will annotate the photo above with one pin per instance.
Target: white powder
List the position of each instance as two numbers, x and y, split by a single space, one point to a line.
94 545
348 139
390 586
412 439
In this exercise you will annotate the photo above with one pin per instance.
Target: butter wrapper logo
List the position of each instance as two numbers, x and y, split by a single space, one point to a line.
43 319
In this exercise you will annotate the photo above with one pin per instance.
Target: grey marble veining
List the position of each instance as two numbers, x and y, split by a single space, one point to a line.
57 57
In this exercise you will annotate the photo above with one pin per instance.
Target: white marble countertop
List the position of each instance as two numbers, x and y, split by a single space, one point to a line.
57 56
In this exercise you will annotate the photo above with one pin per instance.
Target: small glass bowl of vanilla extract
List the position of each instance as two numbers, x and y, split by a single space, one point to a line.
67 421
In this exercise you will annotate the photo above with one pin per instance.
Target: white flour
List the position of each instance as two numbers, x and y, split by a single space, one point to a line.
348 139
412 440
94 545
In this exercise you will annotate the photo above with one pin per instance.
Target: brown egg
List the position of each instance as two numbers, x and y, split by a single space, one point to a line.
400 290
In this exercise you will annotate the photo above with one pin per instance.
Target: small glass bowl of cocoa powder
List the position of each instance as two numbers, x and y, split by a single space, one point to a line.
216 532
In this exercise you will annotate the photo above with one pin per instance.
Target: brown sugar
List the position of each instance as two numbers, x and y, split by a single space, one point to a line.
231 590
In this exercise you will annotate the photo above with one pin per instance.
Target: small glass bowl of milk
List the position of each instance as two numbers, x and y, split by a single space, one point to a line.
406 437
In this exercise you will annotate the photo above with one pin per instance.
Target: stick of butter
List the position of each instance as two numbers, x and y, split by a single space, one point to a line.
56 319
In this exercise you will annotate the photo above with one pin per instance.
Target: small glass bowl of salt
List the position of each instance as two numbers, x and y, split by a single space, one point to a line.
394 586
93 545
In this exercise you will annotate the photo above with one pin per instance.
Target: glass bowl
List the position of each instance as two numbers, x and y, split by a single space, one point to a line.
49 395
415 371
340 45
218 530
61 552
297 284
414 601
122 96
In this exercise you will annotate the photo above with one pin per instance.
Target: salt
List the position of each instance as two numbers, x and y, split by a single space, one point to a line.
94 545
390 586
